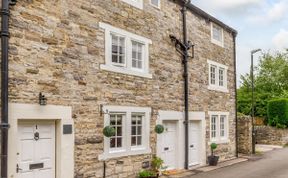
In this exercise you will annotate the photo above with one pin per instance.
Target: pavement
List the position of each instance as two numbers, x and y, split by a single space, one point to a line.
269 162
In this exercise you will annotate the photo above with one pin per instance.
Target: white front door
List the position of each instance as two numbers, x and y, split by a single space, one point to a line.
36 150
168 150
194 143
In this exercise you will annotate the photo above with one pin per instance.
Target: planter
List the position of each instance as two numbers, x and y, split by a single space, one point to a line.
213 160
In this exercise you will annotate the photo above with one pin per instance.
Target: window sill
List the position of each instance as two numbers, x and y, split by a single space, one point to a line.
124 71
219 141
105 156
218 43
216 88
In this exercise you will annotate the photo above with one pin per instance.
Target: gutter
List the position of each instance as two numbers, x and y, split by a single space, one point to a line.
5 13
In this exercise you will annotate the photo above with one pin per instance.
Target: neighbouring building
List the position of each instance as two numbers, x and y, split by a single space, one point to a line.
111 62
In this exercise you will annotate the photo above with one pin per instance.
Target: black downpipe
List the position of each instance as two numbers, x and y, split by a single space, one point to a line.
186 86
235 85
4 84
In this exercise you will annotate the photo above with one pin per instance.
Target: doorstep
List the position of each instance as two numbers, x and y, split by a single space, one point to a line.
188 173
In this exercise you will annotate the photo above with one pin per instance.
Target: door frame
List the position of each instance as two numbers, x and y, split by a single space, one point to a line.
179 116
62 115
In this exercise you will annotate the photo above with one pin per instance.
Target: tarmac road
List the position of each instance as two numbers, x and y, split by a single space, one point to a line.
274 164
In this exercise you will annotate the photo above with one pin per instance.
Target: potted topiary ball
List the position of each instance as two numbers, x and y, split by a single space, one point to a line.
212 159
159 129
109 131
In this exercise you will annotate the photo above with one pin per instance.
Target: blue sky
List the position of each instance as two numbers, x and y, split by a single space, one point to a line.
260 24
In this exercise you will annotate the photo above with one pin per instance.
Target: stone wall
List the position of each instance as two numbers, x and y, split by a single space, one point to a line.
56 47
271 135
245 135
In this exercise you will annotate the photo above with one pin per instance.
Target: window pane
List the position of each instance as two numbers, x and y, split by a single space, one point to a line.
119 131
137 55
139 130
217 33
155 2
119 142
221 77
213 126
133 141
222 126
118 49
213 75
136 133
112 142
133 130
116 122
139 140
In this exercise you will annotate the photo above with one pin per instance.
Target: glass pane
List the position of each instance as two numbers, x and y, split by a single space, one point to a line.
114 39
119 131
133 120
114 49
134 63
139 140
121 59
112 120
139 130
114 58
133 141
112 142
134 55
119 142
139 120
119 120
133 130
140 64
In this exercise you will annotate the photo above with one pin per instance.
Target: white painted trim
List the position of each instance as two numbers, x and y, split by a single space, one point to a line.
64 143
179 116
124 71
156 6
216 87
214 41
135 4
219 140
129 37
127 149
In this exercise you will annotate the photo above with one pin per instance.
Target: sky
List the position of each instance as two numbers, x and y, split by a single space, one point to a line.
260 24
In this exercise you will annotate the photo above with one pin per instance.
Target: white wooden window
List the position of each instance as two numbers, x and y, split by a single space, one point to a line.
136 127
132 135
155 3
217 35
219 127
218 79
125 52
135 3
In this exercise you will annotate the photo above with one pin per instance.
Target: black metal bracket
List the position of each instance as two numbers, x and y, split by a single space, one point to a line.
4 126
102 112
181 47
12 2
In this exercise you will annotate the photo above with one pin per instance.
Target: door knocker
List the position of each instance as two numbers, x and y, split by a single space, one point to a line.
36 136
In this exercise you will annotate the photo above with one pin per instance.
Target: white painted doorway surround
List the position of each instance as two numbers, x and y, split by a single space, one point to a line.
37 143
171 145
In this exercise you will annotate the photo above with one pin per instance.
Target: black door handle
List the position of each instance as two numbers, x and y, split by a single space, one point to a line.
191 146
166 148
17 168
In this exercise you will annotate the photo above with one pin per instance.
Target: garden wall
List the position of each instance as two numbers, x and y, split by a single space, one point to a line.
245 135
271 136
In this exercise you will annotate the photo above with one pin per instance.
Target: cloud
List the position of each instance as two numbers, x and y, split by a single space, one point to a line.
280 39
271 13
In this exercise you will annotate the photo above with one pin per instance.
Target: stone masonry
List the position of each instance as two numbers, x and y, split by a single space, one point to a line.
56 47
245 135
271 135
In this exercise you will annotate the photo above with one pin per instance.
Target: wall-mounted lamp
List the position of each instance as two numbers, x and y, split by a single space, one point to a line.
42 99
102 112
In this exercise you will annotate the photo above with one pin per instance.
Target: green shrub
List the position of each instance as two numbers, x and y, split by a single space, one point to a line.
146 173
278 113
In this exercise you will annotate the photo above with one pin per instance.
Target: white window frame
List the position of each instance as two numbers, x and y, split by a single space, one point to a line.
214 41
218 139
216 86
135 3
129 37
127 149
157 6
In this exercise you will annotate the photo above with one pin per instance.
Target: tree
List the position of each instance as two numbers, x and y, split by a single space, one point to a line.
271 81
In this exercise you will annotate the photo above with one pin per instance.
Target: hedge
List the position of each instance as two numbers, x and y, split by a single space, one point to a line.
278 113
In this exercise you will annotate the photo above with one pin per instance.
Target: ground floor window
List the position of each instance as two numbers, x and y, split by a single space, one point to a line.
132 126
219 127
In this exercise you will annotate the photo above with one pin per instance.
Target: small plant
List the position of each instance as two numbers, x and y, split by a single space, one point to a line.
109 131
212 159
159 129
156 164
146 173
213 147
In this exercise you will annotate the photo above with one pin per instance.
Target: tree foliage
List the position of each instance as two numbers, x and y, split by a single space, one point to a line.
270 81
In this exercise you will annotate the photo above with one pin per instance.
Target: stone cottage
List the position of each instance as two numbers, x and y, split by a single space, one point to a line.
111 62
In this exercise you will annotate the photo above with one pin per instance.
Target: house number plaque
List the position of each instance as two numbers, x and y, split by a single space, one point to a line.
67 129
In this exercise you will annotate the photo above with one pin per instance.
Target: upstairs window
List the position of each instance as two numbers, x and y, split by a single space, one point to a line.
125 52
217 76
155 3
135 3
217 35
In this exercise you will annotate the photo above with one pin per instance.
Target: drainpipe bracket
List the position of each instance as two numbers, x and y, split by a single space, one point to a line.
4 126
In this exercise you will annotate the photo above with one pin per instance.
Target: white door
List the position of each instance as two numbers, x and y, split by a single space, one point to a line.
168 150
36 150
194 143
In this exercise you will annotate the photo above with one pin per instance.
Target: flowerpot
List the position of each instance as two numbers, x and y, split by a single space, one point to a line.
213 160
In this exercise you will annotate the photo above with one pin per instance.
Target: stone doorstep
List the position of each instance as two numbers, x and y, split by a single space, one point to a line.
191 172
